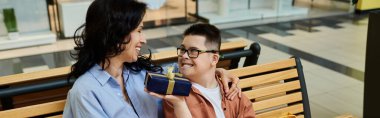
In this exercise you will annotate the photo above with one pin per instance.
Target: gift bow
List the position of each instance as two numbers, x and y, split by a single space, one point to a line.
170 75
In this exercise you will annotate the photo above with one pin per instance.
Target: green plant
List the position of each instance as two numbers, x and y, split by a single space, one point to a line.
10 19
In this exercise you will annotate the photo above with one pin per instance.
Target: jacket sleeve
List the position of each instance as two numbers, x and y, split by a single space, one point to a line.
247 111
168 109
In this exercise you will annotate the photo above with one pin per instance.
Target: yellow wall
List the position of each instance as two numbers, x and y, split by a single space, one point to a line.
368 4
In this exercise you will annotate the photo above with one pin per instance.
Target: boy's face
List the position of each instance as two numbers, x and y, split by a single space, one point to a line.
194 67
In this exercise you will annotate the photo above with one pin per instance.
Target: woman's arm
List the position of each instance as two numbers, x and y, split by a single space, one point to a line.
226 77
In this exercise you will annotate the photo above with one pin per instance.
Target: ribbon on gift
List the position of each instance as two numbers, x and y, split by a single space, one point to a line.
170 75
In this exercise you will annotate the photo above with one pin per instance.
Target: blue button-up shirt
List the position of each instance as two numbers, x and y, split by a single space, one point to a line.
96 94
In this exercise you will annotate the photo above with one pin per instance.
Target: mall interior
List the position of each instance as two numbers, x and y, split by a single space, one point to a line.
329 37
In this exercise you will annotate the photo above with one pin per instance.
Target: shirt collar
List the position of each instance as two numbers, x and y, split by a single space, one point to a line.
102 76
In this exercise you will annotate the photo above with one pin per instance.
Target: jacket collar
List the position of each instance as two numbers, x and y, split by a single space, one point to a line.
218 79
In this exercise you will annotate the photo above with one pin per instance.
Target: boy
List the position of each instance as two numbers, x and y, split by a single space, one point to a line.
197 59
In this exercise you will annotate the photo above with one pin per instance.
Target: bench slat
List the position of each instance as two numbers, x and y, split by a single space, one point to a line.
252 94
268 78
250 70
34 110
25 77
57 116
234 44
294 109
294 97
163 55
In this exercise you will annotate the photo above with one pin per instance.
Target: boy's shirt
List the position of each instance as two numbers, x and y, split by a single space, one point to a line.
214 96
200 107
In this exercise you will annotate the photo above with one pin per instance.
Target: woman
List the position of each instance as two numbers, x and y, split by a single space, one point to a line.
109 70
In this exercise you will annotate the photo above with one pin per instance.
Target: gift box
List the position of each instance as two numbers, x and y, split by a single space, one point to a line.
167 83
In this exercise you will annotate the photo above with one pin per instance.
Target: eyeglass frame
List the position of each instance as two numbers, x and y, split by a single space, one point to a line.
198 52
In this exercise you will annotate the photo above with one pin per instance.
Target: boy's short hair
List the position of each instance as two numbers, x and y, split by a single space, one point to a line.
210 32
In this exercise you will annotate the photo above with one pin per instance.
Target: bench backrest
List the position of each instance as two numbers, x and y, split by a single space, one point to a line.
275 89
161 57
24 88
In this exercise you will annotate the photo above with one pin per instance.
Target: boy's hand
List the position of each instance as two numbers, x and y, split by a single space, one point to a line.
226 77
181 110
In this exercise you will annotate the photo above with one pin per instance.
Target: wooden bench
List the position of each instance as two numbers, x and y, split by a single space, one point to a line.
52 81
275 89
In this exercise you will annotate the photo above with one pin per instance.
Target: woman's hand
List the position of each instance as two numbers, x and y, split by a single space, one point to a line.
225 78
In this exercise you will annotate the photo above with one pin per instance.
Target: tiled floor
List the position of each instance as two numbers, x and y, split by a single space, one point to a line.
330 93
332 50
332 56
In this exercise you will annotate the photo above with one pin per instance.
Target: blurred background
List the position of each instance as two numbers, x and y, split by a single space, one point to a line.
328 35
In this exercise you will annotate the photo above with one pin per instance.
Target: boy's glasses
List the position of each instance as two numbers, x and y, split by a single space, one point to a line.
193 53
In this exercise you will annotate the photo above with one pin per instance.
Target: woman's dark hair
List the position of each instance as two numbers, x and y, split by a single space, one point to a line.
103 34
